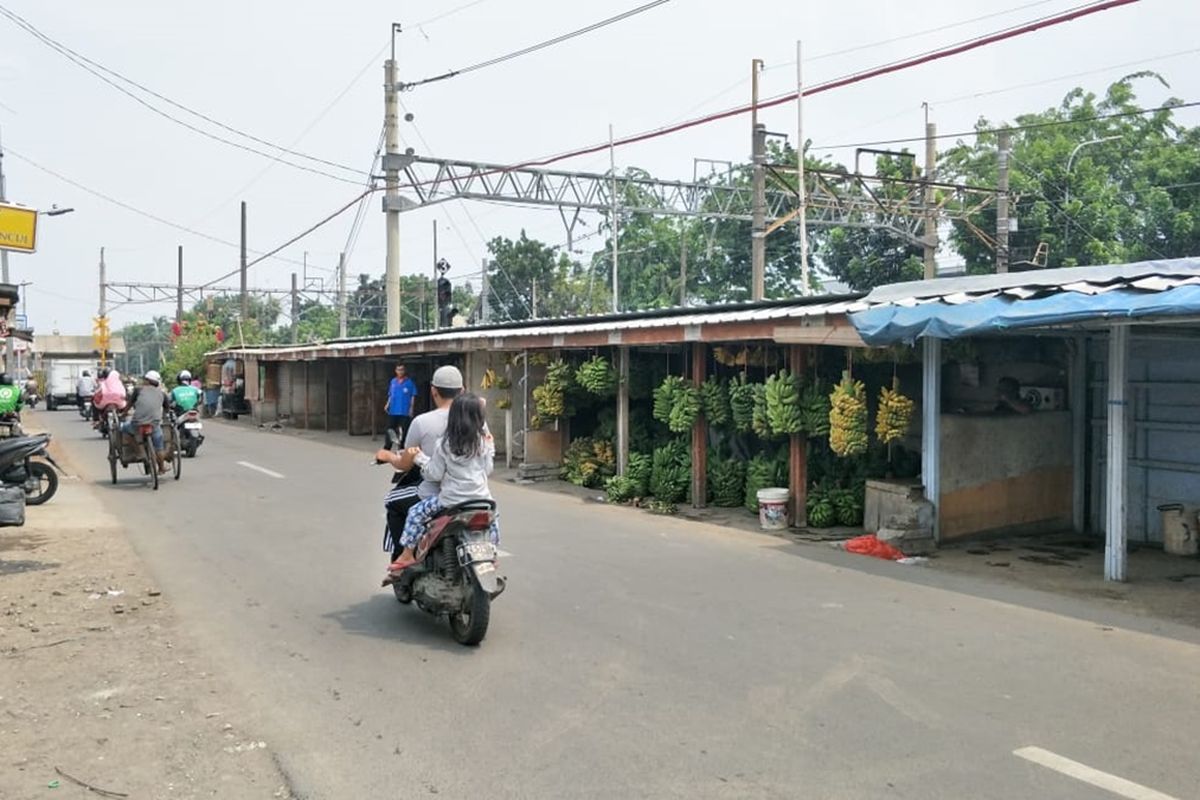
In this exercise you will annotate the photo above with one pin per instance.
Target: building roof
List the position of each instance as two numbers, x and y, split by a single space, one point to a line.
53 345
814 320
969 306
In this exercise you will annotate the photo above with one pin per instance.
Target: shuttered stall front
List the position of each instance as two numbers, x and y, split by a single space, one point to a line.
1164 422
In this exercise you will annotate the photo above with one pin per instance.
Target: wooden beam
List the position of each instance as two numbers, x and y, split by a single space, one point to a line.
699 431
798 449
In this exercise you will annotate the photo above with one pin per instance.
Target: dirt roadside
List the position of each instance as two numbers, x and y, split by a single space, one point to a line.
97 680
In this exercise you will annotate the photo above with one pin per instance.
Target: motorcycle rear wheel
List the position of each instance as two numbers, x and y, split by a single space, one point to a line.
470 625
46 483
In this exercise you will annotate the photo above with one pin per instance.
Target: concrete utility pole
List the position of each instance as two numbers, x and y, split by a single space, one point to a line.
485 301
1004 146
8 344
801 191
295 310
683 295
391 200
341 296
245 295
931 237
616 222
758 208
179 289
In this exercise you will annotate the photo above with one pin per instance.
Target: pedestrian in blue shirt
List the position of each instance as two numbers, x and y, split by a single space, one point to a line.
399 407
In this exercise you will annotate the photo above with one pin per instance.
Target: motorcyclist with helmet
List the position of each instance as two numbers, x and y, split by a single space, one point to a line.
146 405
10 400
185 397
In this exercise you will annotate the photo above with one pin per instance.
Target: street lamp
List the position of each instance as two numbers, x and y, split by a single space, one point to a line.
1071 160
55 211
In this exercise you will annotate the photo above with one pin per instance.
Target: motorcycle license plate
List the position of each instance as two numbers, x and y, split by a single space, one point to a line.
474 552
193 426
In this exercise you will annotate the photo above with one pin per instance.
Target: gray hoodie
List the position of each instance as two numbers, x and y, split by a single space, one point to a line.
462 479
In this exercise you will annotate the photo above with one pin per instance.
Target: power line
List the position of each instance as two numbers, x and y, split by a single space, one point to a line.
95 69
491 62
1016 128
8 150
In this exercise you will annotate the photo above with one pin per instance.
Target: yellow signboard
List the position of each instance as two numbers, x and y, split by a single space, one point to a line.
18 228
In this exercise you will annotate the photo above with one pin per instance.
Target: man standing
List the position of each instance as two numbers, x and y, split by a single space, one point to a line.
409 487
85 387
401 392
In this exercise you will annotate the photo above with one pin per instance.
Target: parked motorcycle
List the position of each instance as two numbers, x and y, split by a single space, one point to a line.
190 437
18 467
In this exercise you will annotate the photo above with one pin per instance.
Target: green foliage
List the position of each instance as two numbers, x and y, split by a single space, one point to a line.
564 287
188 349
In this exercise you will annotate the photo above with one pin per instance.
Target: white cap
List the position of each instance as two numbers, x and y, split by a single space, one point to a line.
153 376
447 378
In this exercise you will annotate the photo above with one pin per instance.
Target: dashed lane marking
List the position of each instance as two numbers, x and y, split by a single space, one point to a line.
1082 772
257 468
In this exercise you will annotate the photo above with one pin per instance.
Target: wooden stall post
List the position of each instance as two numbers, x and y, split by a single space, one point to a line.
699 431
798 449
622 409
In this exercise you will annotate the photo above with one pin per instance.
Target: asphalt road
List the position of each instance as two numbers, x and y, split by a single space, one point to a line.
634 656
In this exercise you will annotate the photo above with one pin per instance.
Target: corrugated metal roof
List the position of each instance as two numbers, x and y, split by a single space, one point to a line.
1152 276
774 311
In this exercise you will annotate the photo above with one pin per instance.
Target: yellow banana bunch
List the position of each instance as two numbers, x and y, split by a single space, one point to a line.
848 417
895 414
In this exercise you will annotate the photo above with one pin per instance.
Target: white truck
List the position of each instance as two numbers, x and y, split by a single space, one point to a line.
62 379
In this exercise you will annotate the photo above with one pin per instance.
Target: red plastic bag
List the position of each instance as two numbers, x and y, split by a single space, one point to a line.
869 545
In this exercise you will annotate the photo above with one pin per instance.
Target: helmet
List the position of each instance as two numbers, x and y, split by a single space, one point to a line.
104 373
152 376
5 380
184 376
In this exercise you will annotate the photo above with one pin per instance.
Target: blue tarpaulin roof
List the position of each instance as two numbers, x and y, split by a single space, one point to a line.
954 308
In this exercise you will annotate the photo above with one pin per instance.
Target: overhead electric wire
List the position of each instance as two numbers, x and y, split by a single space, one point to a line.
1015 128
491 62
95 69
8 150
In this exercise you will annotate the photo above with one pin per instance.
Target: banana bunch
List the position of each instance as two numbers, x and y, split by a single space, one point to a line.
671 471
638 471
814 408
760 422
761 473
727 481
489 379
548 401
714 401
597 376
783 403
684 409
894 415
664 398
848 417
821 511
741 403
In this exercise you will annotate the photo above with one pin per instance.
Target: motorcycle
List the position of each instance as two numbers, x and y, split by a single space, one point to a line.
85 408
10 425
31 398
190 437
18 467
455 573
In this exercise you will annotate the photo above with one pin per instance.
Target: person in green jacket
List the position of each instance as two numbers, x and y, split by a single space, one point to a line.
10 396
185 397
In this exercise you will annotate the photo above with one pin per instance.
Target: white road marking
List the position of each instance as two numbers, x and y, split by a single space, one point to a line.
1082 772
502 553
257 468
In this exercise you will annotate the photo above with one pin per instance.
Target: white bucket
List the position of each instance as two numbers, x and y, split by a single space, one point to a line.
1180 537
772 509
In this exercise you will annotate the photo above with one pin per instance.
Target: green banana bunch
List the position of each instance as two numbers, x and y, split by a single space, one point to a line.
814 407
664 398
741 403
714 401
727 481
783 403
760 422
684 409
597 375
670 471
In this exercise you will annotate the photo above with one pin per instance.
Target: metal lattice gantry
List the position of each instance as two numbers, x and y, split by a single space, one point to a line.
833 198
122 293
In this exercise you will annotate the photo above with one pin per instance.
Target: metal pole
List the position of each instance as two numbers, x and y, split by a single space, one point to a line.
683 295
1004 144
342 297
616 223
245 294
179 289
758 208
931 426
8 344
931 238
1077 396
437 300
801 189
392 196
102 309
295 310
1118 467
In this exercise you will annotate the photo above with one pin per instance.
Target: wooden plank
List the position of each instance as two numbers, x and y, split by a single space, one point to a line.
798 449
699 431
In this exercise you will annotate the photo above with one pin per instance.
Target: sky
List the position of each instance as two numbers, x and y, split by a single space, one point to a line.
308 75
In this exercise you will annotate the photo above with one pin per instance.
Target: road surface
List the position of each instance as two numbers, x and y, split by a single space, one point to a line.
634 656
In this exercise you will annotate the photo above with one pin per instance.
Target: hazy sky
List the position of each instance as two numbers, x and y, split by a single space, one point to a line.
274 68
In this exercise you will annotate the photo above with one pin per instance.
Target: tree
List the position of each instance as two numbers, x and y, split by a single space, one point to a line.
196 337
1132 193
225 313
564 288
145 344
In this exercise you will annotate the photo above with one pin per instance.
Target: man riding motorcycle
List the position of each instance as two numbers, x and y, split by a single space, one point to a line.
424 431
147 404
10 400
185 397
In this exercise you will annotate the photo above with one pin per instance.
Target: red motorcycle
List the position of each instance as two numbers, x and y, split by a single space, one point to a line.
455 572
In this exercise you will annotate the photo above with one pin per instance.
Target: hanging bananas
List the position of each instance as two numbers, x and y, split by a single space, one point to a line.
814 406
741 403
895 414
783 403
848 417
